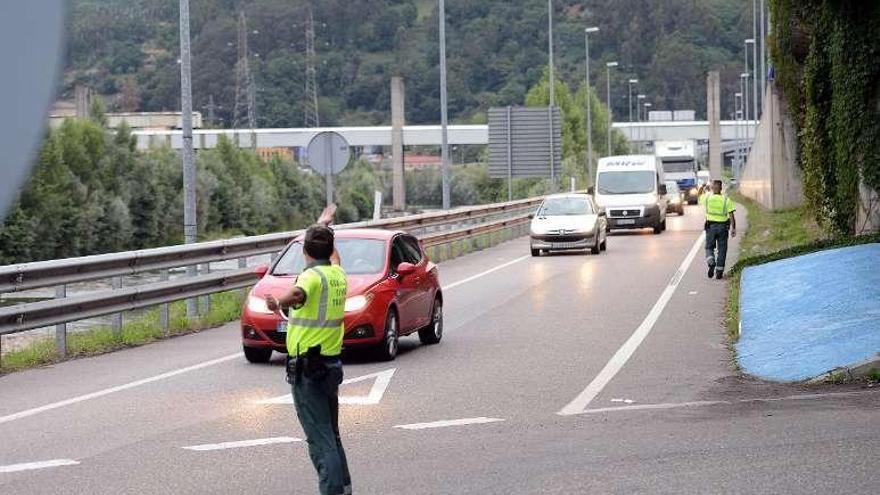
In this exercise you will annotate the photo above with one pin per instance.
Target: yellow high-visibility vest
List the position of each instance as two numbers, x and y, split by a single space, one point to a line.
718 207
320 321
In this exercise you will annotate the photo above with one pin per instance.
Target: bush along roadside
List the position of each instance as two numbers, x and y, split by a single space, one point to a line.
225 307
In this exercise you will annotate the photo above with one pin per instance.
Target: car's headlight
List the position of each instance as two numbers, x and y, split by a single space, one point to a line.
356 303
258 305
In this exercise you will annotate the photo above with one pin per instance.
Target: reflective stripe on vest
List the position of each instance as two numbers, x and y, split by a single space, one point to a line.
320 321
716 217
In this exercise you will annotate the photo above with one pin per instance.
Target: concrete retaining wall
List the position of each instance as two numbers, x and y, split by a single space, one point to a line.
771 175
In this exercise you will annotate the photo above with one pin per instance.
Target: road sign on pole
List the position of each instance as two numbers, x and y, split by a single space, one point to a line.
328 154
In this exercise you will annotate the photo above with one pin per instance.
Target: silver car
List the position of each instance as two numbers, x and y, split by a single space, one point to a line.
567 222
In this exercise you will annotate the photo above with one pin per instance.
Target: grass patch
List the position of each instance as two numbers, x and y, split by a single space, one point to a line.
225 307
772 231
873 375
773 236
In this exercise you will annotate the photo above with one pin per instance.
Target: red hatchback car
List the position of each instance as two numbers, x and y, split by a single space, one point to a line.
393 291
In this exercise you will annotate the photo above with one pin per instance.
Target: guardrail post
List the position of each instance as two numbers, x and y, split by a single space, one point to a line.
164 316
242 293
61 328
206 301
117 317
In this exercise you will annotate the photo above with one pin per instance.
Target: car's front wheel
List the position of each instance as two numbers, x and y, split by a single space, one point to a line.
388 348
257 354
432 333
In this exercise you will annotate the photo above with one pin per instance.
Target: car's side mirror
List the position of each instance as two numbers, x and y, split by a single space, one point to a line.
602 213
261 270
662 189
591 190
405 269
531 216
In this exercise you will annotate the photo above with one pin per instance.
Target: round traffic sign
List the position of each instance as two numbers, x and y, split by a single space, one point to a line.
328 153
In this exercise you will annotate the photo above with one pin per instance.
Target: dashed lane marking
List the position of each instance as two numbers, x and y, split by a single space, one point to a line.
487 272
242 443
29 466
118 388
449 422
619 359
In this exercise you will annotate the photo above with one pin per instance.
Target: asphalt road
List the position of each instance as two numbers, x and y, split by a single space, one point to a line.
560 374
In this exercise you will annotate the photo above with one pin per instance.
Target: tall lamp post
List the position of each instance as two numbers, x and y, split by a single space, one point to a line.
608 67
639 100
550 51
646 106
755 59
190 224
444 137
754 114
630 100
587 33
737 106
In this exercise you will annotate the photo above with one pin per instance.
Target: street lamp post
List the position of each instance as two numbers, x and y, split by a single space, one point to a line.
755 59
639 101
763 39
608 67
190 224
645 107
550 51
630 100
444 137
754 115
589 97
737 107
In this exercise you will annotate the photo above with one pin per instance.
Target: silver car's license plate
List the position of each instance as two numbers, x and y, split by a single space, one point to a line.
282 327
627 221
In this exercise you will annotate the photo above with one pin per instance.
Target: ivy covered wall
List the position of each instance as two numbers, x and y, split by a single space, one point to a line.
826 56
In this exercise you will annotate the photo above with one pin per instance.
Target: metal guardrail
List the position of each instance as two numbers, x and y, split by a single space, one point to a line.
59 273
27 276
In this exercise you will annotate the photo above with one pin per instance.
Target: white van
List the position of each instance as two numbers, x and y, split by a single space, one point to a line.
632 192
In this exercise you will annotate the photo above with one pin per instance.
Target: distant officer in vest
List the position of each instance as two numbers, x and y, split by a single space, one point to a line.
720 221
314 345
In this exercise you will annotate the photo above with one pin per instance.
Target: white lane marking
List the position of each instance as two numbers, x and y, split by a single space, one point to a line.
242 443
113 390
28 466
705 403
383 379
692 293
629 347
449 422
625 401
642 407
119 388
483 274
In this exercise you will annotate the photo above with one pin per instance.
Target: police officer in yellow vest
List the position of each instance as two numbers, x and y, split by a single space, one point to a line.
720 220
314 345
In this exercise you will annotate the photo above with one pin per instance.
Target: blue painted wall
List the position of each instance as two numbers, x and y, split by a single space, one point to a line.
804 316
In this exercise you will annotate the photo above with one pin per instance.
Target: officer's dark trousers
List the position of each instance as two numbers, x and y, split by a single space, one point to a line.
317 405
716 237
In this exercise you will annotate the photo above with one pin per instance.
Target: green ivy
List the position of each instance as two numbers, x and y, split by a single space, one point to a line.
832 91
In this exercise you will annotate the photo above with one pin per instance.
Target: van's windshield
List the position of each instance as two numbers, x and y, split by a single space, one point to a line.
626 182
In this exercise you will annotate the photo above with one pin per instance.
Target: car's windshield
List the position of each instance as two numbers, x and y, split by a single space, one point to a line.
672 187
626 182
359 257
678 166
565 207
